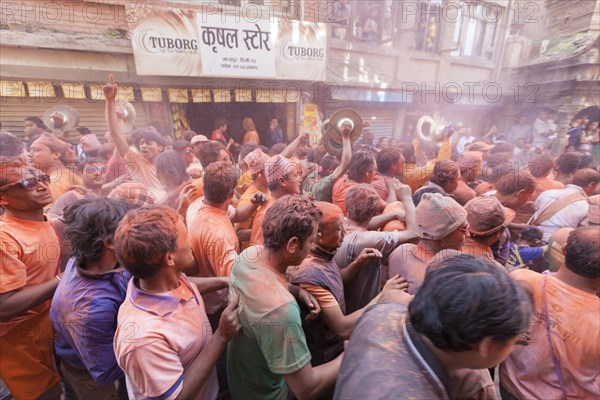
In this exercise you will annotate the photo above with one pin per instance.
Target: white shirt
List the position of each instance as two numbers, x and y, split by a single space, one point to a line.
539 126
571 216
463 142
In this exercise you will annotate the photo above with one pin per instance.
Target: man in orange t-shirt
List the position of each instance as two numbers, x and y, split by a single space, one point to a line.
152 144
362 169
30 253
214 241
561 357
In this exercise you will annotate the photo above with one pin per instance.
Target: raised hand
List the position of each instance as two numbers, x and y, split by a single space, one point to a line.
110 89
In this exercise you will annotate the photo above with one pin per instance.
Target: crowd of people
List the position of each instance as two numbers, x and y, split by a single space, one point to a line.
190 270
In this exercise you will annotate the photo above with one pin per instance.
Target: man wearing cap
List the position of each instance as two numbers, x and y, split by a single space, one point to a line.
466 317
487 219
561 357
471 164
30 252
441 224
246 206
483 147
196 142
566 207
283 177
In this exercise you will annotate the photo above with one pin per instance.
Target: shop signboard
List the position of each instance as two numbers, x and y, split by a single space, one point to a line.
174 42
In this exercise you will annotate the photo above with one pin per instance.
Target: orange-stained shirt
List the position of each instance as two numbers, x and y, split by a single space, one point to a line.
30 256
544 184
215 245
416 176
325 298
158 336
340 189
61 181
463 193
256 237
380 187
244 182
144 172
251 136
246 199
529 371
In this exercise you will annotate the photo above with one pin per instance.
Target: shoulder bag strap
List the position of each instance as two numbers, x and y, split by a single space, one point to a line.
555 207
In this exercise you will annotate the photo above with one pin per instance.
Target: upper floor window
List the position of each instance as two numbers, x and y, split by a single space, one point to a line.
475 30
363 21
427 25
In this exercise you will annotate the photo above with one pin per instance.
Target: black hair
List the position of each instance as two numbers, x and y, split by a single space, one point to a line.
360 164
210 152
290 216
88 222
153 136
444 172
188 135
277 148
180 145
387 157
38 122
585 177
247 149
173 165
568 162
10 145
581 252
329 163
502 148
541 166
219 180
465 299
219 122
408 151
424 189
83 130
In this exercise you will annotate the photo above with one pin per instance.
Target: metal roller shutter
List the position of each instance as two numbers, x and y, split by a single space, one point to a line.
382 118
13 111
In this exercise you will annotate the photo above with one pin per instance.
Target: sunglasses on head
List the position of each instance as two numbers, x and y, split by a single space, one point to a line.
29 183
92 169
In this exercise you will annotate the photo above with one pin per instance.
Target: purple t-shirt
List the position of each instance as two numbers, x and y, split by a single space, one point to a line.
84 315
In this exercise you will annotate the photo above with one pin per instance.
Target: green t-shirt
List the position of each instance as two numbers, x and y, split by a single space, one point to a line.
321 189
272 343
